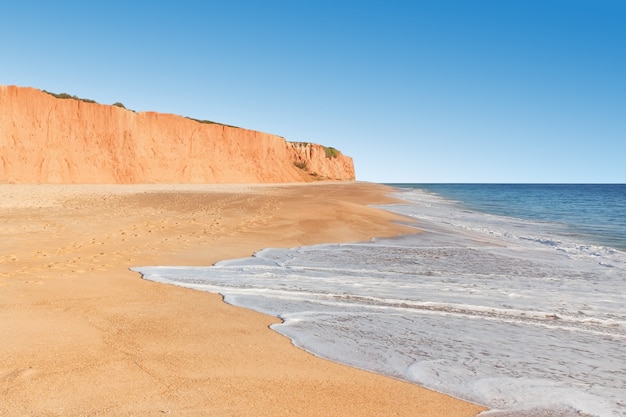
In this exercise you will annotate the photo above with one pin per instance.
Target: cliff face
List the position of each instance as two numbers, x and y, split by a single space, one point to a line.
44 139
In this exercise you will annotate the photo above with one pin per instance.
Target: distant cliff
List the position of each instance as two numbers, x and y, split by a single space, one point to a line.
45 139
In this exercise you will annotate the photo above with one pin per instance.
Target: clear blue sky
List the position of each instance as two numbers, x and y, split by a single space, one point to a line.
414 91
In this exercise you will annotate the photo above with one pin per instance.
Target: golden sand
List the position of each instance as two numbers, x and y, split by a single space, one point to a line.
81 335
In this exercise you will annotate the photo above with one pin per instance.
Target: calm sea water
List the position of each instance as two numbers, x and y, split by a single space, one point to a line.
512 296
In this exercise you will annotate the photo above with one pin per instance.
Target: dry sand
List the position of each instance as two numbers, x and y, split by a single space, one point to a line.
81 335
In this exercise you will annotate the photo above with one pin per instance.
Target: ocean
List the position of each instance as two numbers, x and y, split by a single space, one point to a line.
512 296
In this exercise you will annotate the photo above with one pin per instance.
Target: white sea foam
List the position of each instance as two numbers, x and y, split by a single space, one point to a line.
503 312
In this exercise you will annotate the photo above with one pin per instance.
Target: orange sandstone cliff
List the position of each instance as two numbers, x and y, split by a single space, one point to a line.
44 139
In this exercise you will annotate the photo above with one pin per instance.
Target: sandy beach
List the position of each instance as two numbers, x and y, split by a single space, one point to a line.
82 335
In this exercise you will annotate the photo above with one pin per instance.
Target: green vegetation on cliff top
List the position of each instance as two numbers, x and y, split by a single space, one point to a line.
329 150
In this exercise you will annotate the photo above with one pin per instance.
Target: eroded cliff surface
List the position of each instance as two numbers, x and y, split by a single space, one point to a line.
44 139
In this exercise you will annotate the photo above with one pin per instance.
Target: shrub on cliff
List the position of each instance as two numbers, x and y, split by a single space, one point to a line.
68 96
331 152
210 122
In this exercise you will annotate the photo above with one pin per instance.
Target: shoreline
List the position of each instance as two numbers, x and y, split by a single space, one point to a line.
87 335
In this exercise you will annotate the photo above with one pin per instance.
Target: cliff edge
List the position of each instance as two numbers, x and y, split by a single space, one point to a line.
45 139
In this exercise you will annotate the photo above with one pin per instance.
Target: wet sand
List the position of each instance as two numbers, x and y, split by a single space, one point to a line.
81 335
